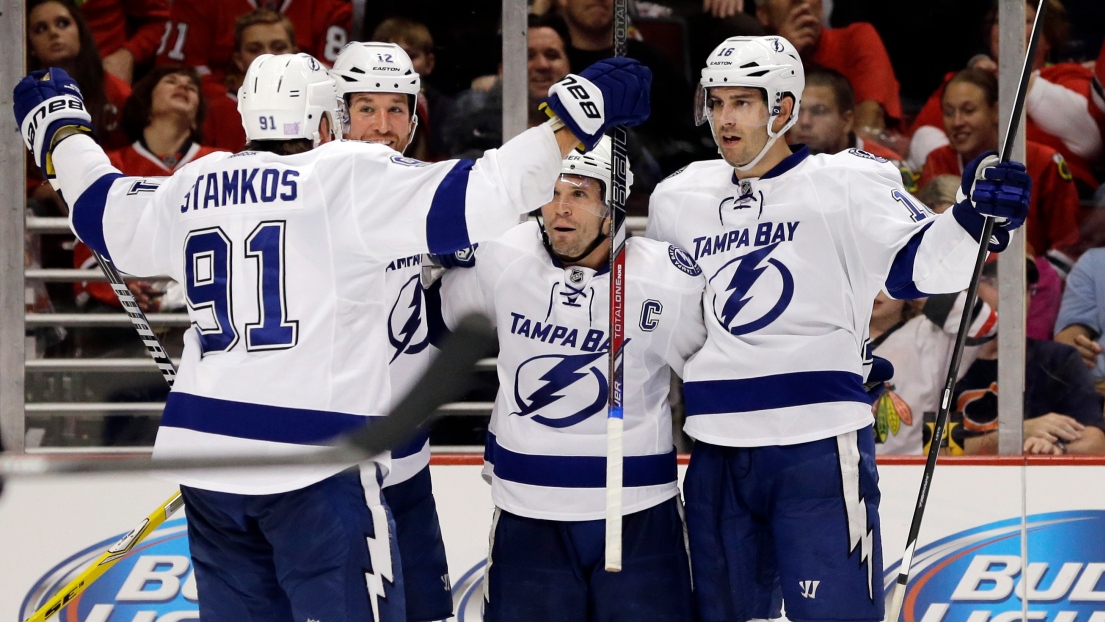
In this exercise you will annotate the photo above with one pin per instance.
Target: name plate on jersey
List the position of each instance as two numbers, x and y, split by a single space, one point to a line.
251 188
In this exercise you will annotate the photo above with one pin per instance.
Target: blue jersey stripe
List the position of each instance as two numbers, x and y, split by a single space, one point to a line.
88 213
708 397
414 446
577 471
446 228
899 283
257 422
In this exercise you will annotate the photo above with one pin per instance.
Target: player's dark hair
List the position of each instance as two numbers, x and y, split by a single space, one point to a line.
87 69
842 88
136 112
981 78
280 147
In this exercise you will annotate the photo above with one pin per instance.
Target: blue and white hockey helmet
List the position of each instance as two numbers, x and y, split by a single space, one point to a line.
375 67
595 164
768 63
283 97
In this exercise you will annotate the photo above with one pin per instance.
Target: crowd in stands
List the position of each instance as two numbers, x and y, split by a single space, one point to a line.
160 78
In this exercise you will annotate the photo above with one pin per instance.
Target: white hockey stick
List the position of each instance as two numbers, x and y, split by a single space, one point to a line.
614 422
898 593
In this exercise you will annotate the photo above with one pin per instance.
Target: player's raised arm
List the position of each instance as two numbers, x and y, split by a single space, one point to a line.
929 253
56 128
466 201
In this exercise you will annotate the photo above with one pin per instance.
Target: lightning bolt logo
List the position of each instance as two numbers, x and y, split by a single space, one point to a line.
861 536
566 372
414 319
380 572
750 267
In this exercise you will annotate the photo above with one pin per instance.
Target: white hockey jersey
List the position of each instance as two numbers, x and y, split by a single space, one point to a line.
546 443
793 261
921 351
283 258
414 324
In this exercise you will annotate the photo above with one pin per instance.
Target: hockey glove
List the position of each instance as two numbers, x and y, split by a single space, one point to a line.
434 266
614 91
47 101
993 188
882 371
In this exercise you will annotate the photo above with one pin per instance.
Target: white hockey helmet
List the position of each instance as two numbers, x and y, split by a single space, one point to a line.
374 67
768 63
596 164
283 97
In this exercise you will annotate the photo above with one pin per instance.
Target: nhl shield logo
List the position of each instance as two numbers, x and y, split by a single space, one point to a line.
576 276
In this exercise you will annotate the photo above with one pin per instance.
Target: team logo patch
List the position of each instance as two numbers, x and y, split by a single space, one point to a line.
407 330
777 44
561 390
1064 168
869 156
751 291
676 172
576 276
398 159
682 259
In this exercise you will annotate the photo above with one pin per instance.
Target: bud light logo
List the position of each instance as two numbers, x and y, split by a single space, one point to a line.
154 583
978 575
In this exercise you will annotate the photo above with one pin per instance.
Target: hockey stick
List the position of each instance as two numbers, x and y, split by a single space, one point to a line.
450 374
446 380
614 423
106 560
149 524
898 595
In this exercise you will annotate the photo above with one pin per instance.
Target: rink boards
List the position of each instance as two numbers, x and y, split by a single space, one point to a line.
968 566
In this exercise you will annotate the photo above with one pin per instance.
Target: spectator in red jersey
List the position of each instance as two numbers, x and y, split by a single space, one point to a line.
58 36
1097 93
826 121
202 31
1058 110
970 111
127 32
415 39
855 50
164 118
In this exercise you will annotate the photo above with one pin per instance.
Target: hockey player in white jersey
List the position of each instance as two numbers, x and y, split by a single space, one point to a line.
782 492
282 251
380 88
546 287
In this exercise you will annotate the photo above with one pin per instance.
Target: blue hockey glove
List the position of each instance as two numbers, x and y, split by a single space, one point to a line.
882 371
993 188
47 101
464 258
614 91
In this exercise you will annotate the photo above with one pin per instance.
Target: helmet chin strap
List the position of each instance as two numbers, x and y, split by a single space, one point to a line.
759 156
564 258
410 137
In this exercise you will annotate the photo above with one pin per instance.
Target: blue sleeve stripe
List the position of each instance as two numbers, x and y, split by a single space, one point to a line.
88 213
413 447
577 471
899 283
709 397
446 227
257 422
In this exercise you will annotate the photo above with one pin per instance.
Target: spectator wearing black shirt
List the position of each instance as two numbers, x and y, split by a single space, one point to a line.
1062 412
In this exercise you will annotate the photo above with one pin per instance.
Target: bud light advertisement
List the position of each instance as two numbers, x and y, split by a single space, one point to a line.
977 575
153 583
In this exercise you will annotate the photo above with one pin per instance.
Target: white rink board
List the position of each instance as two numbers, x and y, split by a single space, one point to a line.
47 521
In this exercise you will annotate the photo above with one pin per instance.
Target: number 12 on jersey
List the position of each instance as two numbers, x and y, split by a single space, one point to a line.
208 255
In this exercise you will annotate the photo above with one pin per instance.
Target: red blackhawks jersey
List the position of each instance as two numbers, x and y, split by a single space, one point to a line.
1052 223
137 25
201 32
1057 114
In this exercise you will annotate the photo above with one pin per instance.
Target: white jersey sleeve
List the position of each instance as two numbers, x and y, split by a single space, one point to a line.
922 253
470 290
